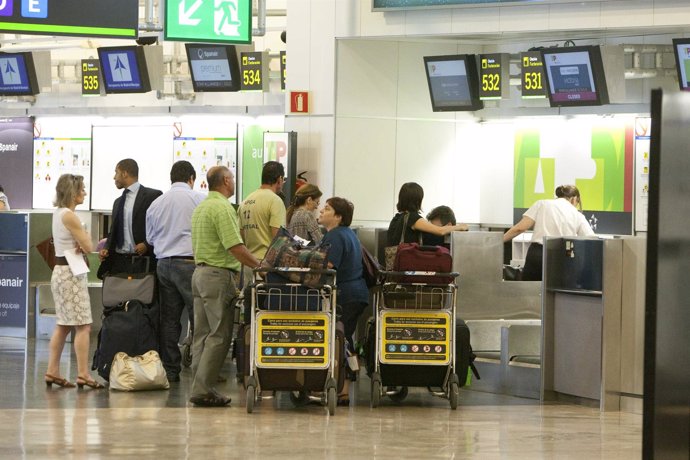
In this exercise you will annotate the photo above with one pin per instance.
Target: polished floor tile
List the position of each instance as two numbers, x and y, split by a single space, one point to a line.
69 423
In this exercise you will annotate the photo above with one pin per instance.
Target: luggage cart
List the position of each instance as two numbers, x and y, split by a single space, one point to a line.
415 336
293 330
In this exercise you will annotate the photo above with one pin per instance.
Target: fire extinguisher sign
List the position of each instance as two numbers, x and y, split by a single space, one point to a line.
299 101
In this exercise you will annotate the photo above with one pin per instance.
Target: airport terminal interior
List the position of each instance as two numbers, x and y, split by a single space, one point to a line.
353 96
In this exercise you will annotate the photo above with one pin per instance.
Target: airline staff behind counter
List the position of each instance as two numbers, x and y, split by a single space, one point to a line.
556 218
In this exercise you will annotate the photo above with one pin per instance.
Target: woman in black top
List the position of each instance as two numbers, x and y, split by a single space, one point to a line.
410 204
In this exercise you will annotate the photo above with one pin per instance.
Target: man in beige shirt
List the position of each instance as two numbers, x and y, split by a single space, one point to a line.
263 212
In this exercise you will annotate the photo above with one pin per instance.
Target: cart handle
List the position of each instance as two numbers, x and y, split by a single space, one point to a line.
420 273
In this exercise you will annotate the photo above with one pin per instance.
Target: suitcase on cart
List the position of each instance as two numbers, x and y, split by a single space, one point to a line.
413 257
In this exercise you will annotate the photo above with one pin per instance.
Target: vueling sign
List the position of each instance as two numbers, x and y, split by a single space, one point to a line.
29 8
99 18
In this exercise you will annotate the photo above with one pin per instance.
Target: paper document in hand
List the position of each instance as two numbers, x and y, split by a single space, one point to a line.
76 262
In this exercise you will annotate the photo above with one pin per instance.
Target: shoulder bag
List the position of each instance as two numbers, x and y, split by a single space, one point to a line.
136 373
286 252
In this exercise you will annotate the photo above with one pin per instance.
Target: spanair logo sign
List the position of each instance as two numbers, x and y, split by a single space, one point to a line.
120 68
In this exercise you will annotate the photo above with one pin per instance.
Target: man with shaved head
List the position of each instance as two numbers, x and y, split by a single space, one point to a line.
219 253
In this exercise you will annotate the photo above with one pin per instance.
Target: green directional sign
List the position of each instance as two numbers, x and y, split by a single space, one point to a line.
215 21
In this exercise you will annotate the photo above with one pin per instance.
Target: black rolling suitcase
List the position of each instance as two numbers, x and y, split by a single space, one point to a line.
131 328
131 317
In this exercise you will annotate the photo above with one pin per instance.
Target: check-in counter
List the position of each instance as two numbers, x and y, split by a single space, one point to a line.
504 317
593 321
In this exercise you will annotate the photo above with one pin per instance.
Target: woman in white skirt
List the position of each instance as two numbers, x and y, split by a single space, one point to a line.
71 295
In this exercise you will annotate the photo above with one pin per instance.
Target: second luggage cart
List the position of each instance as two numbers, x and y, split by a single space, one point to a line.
293 335
414 336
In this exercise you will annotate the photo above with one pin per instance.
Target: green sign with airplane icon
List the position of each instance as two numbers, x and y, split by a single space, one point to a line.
212 21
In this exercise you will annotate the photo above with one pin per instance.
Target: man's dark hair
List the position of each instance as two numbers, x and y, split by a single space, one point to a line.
182 171
410 197
272 172
129 166
343 208
443 213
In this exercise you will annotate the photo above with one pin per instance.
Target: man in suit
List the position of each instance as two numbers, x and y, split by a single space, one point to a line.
127 237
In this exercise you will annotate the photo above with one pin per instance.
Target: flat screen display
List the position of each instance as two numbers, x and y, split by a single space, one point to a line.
124 69
452 83
575 76
681 48
17 75
213 67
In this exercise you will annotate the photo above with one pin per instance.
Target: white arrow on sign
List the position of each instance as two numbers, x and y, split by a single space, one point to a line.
185 15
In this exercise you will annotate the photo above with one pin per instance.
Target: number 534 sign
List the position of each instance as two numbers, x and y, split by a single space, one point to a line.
254 70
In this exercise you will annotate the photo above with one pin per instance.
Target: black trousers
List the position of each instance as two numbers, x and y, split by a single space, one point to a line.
533 263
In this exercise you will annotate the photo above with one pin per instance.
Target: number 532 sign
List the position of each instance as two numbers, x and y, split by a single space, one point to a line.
494 71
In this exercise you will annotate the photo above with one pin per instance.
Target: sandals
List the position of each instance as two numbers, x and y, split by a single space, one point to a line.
343 400
59 381
89 383
210 400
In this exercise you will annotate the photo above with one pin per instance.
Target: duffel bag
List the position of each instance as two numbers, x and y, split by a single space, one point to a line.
286 252
413 257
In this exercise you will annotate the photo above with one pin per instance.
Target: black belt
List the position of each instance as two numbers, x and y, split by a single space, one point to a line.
128 254
178 258
59 260
204 264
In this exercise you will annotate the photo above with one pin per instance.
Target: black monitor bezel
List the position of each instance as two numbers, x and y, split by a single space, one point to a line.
141 65
597 66
470 61
233 61
676 42
30 75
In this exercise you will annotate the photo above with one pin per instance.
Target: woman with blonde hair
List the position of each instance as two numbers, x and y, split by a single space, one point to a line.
70 292
300 217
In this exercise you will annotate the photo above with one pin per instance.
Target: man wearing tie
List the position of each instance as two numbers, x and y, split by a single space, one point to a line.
127 237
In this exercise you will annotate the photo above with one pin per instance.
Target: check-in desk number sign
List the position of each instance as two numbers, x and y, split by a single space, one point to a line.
252 69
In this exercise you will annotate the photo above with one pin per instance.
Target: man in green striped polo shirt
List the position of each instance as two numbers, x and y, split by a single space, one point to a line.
219 254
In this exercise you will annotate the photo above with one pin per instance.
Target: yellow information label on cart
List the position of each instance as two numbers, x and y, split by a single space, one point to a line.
287 340
415 338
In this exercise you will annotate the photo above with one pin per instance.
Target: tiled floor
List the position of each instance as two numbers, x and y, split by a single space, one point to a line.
69 423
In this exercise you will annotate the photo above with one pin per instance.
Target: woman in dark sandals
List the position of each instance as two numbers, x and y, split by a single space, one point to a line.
70 292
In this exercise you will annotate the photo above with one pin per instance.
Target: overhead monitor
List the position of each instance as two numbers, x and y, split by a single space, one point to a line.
124 69
453 83
17 75
213 67
681 49
575 76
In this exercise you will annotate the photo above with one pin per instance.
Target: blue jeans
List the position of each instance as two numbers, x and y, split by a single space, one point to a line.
175 291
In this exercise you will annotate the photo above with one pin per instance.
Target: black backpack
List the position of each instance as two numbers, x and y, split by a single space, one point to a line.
131 327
